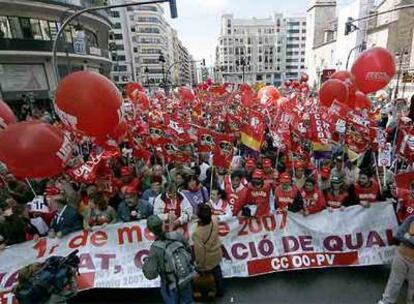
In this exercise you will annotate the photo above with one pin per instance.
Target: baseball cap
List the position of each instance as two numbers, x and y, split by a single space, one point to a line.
250 164
52 190
325 171
258 174
285 178
298 165
125 171
267 163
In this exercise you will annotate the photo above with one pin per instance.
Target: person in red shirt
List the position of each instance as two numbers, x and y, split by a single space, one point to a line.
287 195
337 196
249 166
313 199
366 189
406 203
127 180
269 176
236 191
257 201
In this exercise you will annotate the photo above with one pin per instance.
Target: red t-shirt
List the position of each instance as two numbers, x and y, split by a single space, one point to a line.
260 198
285 198
368 194
335 201
313 201
406 209
235 197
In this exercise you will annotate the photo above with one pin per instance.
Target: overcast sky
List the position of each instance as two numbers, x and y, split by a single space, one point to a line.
198 22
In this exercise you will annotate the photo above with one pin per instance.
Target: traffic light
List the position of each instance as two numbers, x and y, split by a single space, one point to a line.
349 26
173 9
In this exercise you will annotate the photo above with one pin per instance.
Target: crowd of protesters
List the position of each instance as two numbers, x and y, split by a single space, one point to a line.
177 192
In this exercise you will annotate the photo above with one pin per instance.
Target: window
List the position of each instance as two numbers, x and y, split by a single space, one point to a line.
116 78
115 14
44 26
119 47
118 36
91 38
53 29
291 46
68 35
5 28
143 8
293 31
293 23
117 25
120 68
135 50
26 28
121 58
133 29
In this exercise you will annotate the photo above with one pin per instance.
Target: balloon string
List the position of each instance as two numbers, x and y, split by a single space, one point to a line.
31 187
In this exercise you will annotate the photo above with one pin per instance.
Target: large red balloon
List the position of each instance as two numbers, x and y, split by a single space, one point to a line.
34 149
268 96
373 69
6 115
362 102
331 90
347 78
88 102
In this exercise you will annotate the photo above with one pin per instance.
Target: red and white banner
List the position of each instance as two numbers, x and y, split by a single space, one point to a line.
112 257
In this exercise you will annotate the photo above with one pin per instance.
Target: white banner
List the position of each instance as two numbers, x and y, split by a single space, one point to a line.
112 257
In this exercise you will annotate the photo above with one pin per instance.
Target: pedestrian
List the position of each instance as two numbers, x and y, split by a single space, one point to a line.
207 247
402 268
170 259
257 202
173 207
66 220
195 192
132 209
313 199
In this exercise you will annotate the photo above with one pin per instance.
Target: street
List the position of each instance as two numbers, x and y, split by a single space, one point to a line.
359 285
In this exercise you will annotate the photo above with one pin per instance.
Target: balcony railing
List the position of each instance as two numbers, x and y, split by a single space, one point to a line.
46 46
80 4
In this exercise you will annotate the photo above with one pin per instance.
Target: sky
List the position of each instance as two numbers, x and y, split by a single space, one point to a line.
198 22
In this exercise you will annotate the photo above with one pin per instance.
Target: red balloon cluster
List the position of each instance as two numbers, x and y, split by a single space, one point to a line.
371 71
34 149
88 102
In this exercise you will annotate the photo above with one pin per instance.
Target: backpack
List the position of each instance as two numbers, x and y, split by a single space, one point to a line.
39 281
178 266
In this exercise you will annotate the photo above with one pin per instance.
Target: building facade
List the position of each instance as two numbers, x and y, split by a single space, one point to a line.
395 31
144 47
27 31
328 48
267 50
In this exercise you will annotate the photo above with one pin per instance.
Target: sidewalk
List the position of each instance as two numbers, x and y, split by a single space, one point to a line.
357 285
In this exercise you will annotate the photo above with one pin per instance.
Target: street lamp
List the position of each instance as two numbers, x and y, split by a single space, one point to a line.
318 72
146 71
161 59
401 55
241 62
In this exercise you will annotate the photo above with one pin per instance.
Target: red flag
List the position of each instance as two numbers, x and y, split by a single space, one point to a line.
205 140
223 151
252 133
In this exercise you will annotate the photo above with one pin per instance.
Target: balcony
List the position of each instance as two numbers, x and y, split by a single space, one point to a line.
46 46
80 4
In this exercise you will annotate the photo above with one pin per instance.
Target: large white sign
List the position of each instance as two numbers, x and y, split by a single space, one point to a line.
113 257
23 77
